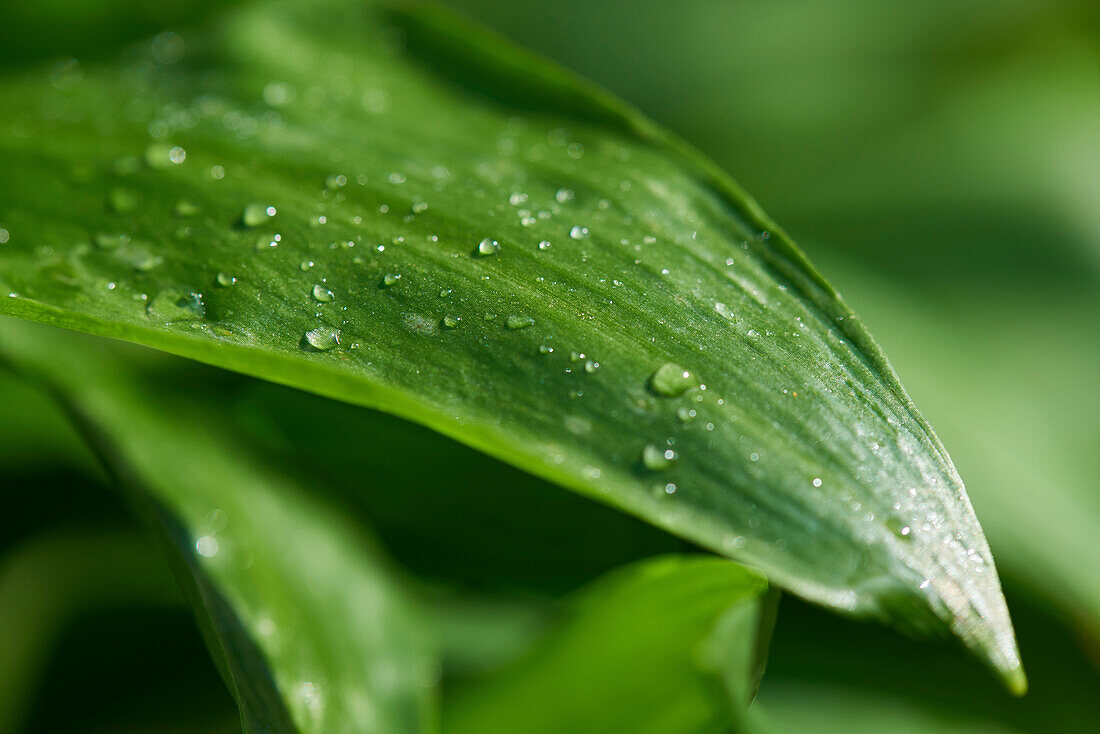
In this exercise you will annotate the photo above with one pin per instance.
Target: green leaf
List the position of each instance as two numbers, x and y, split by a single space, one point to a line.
664 646
301 615
48 580
515 260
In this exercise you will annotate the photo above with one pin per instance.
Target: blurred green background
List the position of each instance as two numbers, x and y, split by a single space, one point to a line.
938 160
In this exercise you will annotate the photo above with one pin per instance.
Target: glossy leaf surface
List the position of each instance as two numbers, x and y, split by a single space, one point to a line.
396 210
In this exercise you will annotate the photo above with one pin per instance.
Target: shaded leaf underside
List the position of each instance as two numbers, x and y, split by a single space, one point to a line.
391 145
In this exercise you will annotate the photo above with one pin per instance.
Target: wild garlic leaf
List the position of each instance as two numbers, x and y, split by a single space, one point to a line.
667 645
301 615
394 209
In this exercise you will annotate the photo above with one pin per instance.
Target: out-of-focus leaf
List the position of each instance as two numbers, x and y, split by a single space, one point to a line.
307 627
666 646
49 580
397 210
826 709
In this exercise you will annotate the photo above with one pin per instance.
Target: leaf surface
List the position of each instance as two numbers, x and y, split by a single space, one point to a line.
301 615
391 208
667 645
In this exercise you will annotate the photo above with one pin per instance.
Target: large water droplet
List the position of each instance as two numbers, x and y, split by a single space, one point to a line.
186 208
255 214
487 247
173 304
322 294
451 322
578 233
268 242
323 338
670 380
657 458
207 546
519 322
109 241
389 280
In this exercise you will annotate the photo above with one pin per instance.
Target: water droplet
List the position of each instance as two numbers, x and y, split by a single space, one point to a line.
217 172
899 528
591 367
686 414
670 380
4 236
255 214
186 208
578 232
225 280
390 279
268 241
519 322
544 349
656 458
336 181
305 265
451 322
138 256
574 150
564 195
322 294
544 245
172 305
207 546
816 482
487 247
323 338
122 201
109 241
162 155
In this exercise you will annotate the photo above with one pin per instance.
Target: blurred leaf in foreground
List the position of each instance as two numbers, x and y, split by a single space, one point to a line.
300 614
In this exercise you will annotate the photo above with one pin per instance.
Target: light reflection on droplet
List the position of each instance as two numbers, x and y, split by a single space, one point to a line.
207 546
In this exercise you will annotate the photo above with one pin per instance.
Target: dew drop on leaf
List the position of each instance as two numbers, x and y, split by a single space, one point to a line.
451 322
670 380
487 247
207 546
225 280
519 322
109 241
173 304
578 233
185 208
268 241
255 214
322 294
390 279
686 414
656 458
323 338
